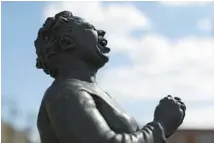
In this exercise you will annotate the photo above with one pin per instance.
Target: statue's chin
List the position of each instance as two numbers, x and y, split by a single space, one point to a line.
103 60
97 62
103 55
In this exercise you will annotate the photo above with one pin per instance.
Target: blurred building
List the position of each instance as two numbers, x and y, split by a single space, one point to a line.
193 136
11 135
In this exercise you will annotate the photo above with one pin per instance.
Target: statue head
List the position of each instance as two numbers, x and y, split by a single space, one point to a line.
65 35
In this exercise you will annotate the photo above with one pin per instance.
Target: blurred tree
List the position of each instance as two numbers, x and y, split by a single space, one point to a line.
11 116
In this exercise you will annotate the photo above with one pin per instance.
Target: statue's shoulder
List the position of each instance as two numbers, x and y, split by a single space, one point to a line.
77 85
71 86
72 89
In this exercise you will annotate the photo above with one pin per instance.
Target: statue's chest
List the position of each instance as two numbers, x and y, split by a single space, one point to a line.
116 117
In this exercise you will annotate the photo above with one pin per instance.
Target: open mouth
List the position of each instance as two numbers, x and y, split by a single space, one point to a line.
102 49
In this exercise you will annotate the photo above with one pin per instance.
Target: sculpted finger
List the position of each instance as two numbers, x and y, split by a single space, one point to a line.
161 100
164 99
177 98
182 105
183 108
169 96
184 113
167 100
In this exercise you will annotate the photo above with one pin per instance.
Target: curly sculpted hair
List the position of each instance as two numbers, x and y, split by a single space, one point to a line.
47 42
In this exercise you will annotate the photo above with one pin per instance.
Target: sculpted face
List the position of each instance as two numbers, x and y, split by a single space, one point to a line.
91 44
66 37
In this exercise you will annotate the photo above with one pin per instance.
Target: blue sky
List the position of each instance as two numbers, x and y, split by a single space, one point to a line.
171 26
20 79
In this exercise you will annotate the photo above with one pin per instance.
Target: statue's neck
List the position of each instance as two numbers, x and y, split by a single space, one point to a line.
77 70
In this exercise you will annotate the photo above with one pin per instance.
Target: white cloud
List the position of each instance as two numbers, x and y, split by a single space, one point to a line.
182 68
115 18
185 3
199 118
206 24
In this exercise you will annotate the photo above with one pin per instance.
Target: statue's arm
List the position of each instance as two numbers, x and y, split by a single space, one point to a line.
73 115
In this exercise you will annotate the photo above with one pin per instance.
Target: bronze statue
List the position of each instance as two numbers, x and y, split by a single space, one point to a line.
74 109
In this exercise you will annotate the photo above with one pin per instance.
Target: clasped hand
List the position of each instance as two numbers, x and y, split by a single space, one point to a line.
170 114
